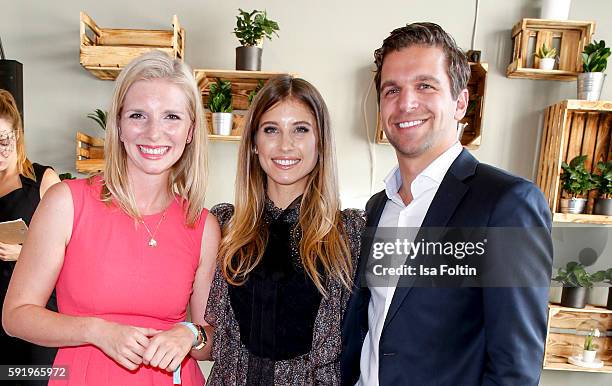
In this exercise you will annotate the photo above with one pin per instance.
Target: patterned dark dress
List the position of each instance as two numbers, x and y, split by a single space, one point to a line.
21 203
277 329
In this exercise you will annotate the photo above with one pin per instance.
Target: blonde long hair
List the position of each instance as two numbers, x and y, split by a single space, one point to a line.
188 175
10 112
323 243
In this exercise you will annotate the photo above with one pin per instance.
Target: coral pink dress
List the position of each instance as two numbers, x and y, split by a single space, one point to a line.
111 272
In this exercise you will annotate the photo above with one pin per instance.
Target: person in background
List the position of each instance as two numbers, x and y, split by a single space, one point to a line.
22 185
410 334
130 249
287 254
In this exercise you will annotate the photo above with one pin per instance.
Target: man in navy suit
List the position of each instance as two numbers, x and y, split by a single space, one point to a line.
402 335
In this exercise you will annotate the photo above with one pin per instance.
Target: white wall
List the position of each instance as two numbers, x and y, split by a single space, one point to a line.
329 43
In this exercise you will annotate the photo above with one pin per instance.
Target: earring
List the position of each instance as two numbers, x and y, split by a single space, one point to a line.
255 150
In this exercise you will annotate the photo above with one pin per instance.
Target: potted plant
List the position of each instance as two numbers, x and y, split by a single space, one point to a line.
607 278
547 57
576 280
251 28
253 93
220 104
590 348
603 184
555 9
594 63
576 181
99 116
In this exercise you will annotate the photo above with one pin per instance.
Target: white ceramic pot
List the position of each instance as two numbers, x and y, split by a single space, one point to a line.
222 123
588 356
547 63
555 9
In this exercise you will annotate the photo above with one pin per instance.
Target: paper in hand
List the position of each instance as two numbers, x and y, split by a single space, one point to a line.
13 232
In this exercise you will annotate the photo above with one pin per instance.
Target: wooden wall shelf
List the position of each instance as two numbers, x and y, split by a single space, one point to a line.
89 154
572 128
105 51
243 82
472 134
567 36
562 342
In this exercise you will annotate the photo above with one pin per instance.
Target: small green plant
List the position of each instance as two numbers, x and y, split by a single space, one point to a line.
66 176
576 179
99 116
252 27
546 52
252 94
574 275
605 275
220 97
588 340
603 181
595 57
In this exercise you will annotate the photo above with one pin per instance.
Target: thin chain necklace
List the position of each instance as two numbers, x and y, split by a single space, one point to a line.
152 241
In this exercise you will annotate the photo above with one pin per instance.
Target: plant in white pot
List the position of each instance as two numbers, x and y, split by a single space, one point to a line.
594 62
576 181
220 104
589 351
251 28
603 184
547 56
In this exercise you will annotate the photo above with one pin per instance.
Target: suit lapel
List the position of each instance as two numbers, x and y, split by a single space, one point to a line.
445 202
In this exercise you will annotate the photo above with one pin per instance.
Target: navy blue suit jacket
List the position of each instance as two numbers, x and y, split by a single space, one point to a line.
461 336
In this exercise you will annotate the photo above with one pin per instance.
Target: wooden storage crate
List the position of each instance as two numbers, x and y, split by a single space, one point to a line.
563 342
243 82
572 128
89 153
568 37
105 51
472 134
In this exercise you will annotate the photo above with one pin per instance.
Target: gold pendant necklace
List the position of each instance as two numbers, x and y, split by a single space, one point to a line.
152 241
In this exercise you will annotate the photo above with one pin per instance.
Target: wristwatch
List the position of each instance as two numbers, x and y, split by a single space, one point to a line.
201 337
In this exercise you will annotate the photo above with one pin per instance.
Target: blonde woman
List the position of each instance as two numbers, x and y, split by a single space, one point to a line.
287 255
22 185
127 250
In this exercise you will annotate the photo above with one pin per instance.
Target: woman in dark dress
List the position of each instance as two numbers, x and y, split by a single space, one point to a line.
287 255
22 185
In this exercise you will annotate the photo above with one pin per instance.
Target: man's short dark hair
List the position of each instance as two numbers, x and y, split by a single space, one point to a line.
426 34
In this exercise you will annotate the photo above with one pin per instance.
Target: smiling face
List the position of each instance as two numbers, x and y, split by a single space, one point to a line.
8 153
418 113
154 126
286 144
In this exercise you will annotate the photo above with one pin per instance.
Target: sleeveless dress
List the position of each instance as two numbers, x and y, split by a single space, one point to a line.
111 272
21 203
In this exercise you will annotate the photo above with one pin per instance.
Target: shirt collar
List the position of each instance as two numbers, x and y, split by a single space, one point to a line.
435 171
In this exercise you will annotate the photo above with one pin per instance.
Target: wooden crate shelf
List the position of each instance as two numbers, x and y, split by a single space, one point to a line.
562 342
89 154
105 51
567 36
243 82
472 134
572 128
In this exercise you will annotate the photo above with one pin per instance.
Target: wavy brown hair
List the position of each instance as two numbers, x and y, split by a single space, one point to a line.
323 246
9 111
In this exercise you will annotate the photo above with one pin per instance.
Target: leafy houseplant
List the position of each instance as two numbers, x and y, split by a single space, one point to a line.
603 184
251 28
547 57
576 280
220 104
99 116
594 62
576 180
590 348
253 93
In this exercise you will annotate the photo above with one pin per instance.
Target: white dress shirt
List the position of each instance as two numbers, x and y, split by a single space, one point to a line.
396 214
